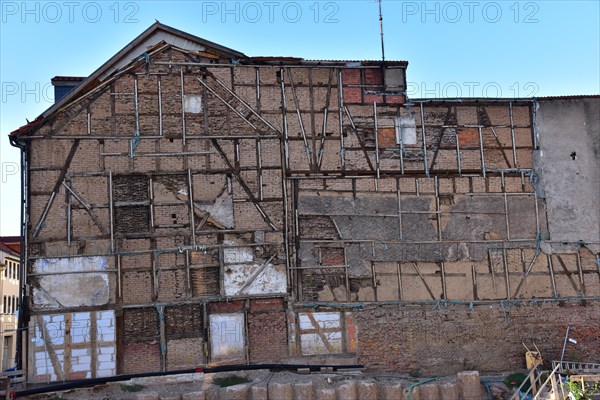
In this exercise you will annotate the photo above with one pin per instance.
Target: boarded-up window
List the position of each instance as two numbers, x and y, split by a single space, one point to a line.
132 219
332 256
183 321
130 188
227 340
192 103
205 282
386 137
320 333
394 79
468 138
140 325
406 131
131 202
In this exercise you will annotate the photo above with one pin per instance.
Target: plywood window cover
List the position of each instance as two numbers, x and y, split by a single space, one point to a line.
227 337
386 137
192 103
129 200
468 138
321 333
406 132
329 255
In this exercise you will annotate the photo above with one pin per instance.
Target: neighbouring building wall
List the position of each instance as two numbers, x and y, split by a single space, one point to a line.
194 212
569 163
9 307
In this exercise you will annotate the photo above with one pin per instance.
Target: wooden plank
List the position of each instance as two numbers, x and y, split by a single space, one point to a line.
111 212
341 117
5 387
399 272
93 343
163 337
67 351
313 130
585 378
19 372
324 330
191 203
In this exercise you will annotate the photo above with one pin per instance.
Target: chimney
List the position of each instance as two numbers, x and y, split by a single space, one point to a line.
64 84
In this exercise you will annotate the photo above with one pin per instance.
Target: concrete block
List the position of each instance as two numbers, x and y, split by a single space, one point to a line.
303 391
429 391
470 385
258 393
449 391
325 394
237 392
367 390
391 391
281 391
200 395
147 396
213 393
347 391
171 397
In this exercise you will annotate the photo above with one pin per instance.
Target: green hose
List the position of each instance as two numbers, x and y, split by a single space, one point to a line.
420 383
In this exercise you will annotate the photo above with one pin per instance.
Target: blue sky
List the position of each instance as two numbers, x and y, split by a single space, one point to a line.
454 48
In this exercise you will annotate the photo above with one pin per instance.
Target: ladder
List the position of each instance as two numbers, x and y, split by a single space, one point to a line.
544 385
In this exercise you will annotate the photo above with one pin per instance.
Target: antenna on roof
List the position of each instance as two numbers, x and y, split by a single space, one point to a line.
381 31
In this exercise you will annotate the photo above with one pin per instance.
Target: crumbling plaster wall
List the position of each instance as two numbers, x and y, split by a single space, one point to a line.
239 230
85 287
569 166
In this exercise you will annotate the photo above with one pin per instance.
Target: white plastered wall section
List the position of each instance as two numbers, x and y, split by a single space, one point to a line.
72 345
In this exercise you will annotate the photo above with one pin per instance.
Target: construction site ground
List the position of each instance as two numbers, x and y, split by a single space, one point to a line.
266 384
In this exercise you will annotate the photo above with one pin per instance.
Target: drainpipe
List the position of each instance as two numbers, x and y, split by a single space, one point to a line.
23 318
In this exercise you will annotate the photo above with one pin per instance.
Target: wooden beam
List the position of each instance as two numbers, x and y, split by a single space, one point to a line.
57 185
255 274
325 112
49 348
424 281
243 184
320 332
87 208
67 341
568 273
94 343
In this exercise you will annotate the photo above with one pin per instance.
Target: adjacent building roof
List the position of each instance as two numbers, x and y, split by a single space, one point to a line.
10 244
